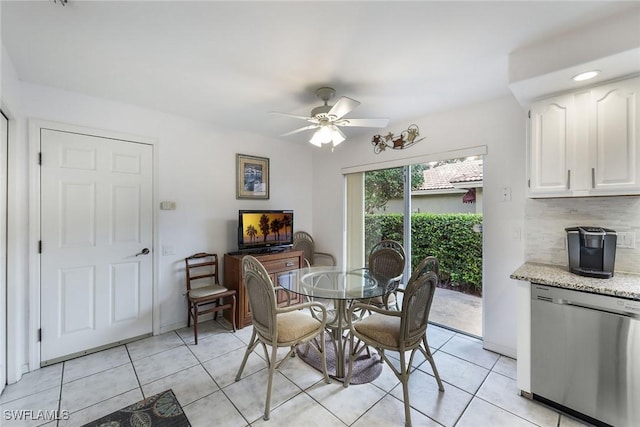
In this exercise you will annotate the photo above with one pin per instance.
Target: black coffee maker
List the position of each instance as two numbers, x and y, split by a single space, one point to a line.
592 251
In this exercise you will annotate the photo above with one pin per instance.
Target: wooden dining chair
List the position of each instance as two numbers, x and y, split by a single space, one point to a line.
399 331
204 292
278 327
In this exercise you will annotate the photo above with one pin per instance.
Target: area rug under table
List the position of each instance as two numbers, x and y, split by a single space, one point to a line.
365 368
159 410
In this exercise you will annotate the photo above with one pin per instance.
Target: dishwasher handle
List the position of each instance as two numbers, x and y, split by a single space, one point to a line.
562 301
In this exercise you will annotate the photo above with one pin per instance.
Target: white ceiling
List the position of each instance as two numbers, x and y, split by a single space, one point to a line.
233 62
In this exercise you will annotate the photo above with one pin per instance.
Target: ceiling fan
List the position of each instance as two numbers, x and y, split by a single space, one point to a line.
327 119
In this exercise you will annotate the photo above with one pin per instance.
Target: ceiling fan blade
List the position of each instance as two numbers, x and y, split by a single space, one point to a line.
313 120
290 115
300 130
343 106
365 123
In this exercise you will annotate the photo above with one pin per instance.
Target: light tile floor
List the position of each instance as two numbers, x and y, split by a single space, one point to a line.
480 386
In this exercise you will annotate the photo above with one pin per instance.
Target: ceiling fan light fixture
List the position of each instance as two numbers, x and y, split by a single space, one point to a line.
337 137
325 135
318 138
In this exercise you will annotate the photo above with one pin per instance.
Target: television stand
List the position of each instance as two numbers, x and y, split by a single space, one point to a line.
278 265
271 250
260 251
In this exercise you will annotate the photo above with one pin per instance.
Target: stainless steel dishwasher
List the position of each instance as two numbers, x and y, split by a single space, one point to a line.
585 354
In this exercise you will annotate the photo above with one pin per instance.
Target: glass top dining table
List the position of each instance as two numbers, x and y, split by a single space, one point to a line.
337 283
341 285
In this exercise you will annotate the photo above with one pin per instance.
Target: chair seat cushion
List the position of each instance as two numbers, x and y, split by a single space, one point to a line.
380 329
206 291
294 325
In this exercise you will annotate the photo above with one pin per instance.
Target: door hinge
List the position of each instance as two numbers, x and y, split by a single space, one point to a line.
39 246
529 183
529 114
40 335
40 158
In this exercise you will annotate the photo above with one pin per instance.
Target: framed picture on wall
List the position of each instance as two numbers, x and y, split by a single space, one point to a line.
252 177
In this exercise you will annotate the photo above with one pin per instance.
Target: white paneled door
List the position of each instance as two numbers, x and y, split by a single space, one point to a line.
96 231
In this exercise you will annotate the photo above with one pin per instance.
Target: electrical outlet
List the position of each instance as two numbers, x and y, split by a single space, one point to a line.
505 193
626 240
168 250
516 233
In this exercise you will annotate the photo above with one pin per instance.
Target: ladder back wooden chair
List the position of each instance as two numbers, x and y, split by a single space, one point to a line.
204 292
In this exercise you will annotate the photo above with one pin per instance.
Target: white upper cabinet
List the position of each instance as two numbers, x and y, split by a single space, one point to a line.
613 137
586 143
550 143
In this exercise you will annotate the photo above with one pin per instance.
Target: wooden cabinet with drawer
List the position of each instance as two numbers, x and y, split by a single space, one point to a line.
280 267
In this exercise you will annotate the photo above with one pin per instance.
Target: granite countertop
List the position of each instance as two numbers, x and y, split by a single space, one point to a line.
624 285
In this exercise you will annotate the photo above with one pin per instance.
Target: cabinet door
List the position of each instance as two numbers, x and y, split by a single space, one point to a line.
284 279
551 140
613 138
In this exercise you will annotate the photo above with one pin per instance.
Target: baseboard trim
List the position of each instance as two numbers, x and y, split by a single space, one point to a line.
497 348
172 327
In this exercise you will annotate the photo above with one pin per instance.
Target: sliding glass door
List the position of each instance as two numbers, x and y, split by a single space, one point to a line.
433 209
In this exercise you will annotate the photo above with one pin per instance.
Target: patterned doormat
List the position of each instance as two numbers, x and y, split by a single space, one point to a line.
159 410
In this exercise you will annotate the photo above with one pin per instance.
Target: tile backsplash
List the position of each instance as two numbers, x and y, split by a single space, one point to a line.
546 219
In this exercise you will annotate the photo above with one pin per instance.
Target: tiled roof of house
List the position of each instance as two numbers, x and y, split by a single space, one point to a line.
442 177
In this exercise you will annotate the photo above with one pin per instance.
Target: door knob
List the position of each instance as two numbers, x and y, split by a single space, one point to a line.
145 251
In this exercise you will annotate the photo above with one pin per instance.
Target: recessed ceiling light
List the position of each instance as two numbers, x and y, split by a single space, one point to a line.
586 75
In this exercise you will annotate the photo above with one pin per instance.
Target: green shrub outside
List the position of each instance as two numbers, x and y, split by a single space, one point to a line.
448 237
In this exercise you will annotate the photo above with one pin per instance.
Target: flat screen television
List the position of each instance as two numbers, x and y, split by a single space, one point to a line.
264 230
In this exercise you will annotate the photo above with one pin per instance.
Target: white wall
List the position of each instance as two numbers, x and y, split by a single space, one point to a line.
499 125
195 167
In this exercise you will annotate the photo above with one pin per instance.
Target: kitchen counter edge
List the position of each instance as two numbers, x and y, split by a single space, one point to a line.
623 285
